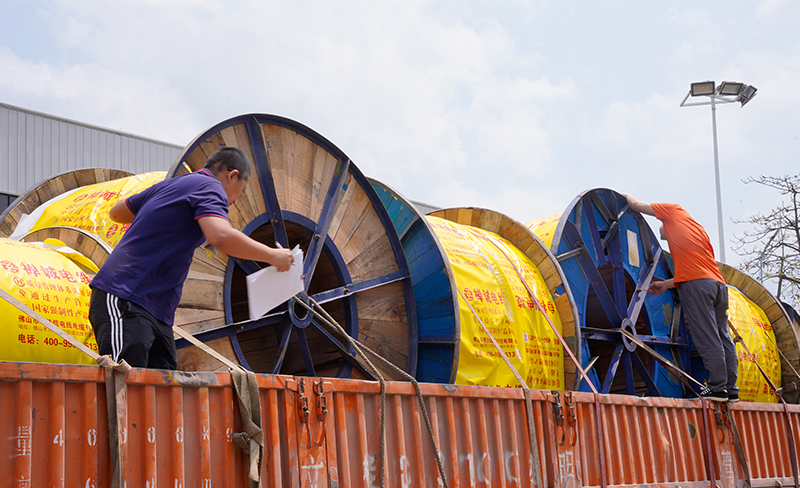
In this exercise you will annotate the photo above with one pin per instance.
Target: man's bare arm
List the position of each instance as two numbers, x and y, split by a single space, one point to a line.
120 213
639 205
659 287
223 236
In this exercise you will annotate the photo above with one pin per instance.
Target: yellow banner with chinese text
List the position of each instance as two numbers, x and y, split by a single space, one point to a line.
87 207
544 229
489 282
753 325
56 288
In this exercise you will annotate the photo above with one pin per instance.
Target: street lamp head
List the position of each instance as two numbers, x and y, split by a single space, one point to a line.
748 92
702 88
730 88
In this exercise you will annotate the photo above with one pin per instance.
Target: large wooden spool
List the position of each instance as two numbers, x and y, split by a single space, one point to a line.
50 188
435 290
519 236
606 252
303 191
85 243
786 333
432 279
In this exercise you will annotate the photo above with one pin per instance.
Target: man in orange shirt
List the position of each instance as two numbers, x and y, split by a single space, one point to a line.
703 293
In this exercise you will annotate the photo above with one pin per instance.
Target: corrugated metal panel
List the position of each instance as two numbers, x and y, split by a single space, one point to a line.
179 428
764 429
35 146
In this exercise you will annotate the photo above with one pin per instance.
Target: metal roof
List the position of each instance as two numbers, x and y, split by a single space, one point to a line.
35 146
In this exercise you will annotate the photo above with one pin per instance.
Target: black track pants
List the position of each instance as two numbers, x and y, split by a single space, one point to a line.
127 331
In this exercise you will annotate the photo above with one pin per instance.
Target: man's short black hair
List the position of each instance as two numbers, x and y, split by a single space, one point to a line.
229 158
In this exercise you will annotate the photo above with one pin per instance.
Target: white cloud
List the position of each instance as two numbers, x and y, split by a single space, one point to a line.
110 99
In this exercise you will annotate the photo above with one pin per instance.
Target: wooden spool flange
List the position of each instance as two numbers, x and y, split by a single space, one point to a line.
91 246
519 236
52 187
303 191
786 336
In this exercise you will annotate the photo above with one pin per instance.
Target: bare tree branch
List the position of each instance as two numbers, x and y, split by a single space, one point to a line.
772 246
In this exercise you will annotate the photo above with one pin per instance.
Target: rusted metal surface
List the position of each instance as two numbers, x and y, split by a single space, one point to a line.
326 433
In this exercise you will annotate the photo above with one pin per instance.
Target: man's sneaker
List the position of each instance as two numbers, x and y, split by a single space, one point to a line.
733 397
717 396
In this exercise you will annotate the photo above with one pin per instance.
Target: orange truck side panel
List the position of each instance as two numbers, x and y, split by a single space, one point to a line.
326 433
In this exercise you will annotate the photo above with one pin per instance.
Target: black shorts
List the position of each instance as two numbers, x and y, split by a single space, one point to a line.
127 331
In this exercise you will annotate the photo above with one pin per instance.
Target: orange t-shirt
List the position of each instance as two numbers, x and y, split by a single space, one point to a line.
689 244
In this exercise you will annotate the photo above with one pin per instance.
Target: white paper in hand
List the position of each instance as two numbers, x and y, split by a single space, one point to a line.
267 288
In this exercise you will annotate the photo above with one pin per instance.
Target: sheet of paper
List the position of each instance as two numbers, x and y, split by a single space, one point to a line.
267 288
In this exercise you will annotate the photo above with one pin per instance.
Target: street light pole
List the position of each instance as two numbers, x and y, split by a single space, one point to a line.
719 189
726 92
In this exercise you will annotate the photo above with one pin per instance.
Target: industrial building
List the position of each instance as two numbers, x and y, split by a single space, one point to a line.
35 146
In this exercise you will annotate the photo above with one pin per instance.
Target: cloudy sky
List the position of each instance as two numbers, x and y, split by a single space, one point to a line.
516 106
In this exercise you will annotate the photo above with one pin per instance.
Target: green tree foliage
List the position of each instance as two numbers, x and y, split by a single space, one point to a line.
772 247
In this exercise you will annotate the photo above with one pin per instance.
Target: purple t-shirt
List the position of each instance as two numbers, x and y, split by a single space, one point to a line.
151 261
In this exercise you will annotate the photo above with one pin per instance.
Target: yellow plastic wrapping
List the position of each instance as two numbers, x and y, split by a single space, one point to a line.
545 229
753 325
87 208
53 286
491 285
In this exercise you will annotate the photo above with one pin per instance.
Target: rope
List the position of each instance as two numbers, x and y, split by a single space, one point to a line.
323 315
374 371
796 374
116 392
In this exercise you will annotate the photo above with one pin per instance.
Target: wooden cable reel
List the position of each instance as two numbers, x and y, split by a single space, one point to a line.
607 252
545 262
435 290
52 187
303 191
436 299
91 246
786 336
84 242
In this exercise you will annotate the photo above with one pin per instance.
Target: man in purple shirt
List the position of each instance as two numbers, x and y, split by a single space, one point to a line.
137 290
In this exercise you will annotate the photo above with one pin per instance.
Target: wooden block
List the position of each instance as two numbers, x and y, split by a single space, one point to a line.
342 203
195 159
466 216
236 218
245 207
370 230
299 155
203 264
202 291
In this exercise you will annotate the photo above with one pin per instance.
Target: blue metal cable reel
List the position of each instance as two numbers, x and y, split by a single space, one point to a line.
303 191
607 253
